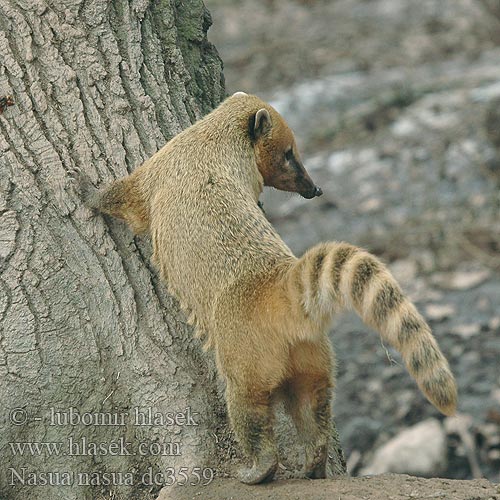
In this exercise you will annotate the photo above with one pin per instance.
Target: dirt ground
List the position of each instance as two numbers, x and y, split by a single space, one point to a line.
384 487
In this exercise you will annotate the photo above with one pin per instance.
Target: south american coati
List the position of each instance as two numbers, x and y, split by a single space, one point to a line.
263 311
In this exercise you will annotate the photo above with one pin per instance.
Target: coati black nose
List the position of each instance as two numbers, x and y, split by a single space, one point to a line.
318 191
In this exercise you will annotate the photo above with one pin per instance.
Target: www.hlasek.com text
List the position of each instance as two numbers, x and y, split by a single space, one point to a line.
82 446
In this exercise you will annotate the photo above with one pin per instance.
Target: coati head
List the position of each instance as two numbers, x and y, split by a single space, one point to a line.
276 154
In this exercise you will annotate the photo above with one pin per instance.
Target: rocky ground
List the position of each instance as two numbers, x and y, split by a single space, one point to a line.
386 487
396 106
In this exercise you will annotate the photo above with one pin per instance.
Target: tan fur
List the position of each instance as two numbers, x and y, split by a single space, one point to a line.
264 312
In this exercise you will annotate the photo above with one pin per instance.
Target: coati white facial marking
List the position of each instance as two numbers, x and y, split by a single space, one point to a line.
277 157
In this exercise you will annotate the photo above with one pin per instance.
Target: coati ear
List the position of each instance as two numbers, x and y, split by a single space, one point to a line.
260 123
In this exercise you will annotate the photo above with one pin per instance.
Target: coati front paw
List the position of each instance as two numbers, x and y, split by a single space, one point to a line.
316 463
262 471
84 187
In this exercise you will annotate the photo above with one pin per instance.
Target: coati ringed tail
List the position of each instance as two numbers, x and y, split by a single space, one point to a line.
331 276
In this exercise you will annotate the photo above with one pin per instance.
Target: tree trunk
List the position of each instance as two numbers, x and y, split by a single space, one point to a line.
90 342
85 323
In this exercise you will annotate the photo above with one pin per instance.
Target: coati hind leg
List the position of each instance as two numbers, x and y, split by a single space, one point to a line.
308 395
251 416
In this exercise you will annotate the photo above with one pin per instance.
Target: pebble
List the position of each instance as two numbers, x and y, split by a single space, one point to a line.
439 312
494 323
462 280
466 330
370 205
404 128
404 270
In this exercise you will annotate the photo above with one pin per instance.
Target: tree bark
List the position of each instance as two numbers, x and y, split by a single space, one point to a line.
89 338
85 323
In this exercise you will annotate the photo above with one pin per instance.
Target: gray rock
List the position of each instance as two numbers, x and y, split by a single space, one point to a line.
462 280
419 450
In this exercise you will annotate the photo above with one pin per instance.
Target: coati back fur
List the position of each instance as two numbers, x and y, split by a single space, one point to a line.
264 312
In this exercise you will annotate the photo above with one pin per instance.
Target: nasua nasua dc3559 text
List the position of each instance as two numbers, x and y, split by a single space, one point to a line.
264 312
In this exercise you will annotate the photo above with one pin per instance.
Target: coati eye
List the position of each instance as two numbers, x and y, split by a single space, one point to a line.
289 154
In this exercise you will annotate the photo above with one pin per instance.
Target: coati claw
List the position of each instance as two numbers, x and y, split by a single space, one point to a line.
259 473
83 186
316 467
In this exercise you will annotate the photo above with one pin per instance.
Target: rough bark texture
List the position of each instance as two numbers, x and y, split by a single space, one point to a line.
99 85
85 324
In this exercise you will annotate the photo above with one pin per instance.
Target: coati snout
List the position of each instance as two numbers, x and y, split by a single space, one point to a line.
277 157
